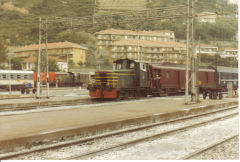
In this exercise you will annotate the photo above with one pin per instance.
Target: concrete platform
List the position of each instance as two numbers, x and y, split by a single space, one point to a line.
30 129
57 96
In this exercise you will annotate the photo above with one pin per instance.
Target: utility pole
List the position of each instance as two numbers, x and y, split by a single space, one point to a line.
39 59
94 6
195 96
10 75
193 58
187 54
138 46
47 60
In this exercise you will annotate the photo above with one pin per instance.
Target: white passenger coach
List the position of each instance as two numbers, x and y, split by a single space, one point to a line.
16 78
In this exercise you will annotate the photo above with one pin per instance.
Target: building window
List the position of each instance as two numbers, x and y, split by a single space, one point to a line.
130 55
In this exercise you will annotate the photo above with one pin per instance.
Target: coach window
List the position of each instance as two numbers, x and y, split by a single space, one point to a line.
12 76
18 76
4 76
167 74
25 76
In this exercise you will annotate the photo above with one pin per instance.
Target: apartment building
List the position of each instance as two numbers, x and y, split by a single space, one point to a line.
207 49
209 17
229 52
30 63
149 51
64 51
106 38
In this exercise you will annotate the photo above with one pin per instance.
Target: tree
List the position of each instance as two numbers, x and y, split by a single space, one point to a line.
52 65
70 63
16 64
3 51
80 63
45 3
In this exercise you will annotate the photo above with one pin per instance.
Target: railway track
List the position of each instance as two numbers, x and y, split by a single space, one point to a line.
126 144
91 154
207 148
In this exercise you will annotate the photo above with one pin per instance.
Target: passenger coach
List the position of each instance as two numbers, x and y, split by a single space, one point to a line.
16 78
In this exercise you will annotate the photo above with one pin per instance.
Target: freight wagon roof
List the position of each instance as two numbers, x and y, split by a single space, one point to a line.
16 71
179 68
227 69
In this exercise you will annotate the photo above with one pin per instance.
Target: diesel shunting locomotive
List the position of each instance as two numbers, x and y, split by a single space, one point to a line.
138 79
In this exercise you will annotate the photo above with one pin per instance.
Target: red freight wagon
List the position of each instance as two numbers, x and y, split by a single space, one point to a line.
172 79
43 77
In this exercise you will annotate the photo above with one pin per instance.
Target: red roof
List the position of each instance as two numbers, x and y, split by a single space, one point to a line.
35 47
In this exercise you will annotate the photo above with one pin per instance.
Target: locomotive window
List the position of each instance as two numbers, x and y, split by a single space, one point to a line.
132 64
143 67
4 76
119 66
18 76
114 66
124 64
167 74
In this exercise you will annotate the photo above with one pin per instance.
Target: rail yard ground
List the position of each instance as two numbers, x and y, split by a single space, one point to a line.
70 115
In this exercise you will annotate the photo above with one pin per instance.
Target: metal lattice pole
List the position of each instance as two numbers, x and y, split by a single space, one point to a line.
47 61
187 55
39 60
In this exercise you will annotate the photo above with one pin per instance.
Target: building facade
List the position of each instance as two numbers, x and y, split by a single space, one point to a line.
149 51
30 63
209 17
64 51
229 53
207 49
106 38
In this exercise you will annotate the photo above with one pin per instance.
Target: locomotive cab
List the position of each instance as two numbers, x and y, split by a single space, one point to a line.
127 79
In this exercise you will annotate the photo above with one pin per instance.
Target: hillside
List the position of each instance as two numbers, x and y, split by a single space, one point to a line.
20 28
19 18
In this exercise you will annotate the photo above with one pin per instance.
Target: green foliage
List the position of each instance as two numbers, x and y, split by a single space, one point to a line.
22 29
45 3
70 63
223 29
52 65
3 51
91 60
213 60
16 63
80 63
200 5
